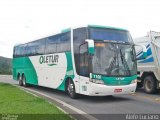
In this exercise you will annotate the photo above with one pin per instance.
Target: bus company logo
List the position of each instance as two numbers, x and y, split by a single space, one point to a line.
119 78
50 60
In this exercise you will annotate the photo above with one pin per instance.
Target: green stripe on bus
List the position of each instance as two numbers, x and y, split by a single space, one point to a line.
115 80
24 65
118 80
69 71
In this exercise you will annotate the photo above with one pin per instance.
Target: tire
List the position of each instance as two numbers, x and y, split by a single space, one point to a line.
71 89
24 81
150 85
20 82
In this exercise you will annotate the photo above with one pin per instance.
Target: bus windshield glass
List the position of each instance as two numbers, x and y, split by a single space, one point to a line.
110 35
112 59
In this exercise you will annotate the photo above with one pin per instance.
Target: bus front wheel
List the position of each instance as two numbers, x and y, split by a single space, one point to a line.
71 89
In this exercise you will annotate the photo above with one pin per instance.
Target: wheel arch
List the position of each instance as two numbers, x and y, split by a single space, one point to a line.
23 74
147 74
18 75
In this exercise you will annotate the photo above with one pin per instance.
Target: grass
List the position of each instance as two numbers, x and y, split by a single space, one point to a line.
17 102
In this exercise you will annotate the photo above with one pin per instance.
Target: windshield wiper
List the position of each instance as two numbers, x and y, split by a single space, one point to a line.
124 62
109 70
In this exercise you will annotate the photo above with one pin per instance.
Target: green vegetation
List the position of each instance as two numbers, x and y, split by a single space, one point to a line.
5 65
14 101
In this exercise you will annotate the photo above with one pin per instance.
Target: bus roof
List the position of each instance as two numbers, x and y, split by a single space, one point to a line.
94 26
69 29
109 27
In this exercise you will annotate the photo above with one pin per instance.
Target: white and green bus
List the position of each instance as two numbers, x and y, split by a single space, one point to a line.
90 60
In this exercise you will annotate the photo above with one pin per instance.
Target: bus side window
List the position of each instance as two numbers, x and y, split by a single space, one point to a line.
29 50
41 47
50 45
63 44
58 43
19 51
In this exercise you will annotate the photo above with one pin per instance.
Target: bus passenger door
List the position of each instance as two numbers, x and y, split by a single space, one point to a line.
84 68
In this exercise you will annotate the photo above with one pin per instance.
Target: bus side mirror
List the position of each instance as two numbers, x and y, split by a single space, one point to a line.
142 54
90 46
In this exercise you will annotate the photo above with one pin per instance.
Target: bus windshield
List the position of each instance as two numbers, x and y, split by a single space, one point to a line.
112 59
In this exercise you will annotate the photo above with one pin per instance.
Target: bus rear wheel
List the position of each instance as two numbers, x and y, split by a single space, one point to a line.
71 89
150 85
24 81
20 82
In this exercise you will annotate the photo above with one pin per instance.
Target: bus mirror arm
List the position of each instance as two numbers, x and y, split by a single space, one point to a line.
144 50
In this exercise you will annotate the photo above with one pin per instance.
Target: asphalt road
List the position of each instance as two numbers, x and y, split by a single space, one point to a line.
138 103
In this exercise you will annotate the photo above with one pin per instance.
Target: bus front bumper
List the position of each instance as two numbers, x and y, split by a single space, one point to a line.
103 90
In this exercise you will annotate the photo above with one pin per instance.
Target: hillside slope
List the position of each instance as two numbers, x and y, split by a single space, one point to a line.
5 65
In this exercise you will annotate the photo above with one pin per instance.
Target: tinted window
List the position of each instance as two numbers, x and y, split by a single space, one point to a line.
41 47
50 45
53 44
19 51
109 34
35 48
79 37
58 43
64 42
15 51
31 48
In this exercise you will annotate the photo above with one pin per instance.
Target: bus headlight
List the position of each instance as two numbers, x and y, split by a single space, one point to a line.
97 81
133 81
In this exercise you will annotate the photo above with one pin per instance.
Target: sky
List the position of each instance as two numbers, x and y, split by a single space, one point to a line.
27 20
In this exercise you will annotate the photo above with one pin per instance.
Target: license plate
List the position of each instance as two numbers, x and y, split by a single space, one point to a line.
117 90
